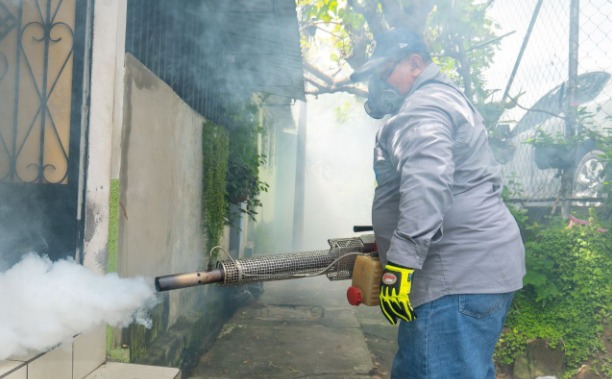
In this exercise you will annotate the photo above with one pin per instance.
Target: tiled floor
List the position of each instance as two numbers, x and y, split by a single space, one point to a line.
83 358
55 364
72 360
13 370
114 370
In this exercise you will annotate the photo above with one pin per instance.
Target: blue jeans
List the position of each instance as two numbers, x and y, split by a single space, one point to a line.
452 338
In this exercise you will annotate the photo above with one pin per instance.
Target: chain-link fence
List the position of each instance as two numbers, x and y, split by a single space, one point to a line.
556 66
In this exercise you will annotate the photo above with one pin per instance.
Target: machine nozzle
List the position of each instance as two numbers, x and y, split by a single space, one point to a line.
172 282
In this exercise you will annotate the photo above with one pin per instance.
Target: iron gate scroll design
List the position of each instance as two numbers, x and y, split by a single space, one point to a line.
36 50
43 65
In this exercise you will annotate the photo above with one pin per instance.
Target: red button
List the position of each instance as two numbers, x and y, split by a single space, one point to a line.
353 294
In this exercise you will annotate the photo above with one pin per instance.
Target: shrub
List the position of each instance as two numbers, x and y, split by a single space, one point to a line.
566 298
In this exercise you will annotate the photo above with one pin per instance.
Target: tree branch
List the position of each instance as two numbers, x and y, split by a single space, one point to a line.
328 84
412 16
316 72
348 89
374 19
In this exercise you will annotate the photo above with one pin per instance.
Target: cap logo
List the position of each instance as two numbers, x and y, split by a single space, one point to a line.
402 45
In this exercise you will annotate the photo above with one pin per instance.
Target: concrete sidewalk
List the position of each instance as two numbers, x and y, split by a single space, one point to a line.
301 328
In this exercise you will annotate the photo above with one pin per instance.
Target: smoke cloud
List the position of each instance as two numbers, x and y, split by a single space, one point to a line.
45 303
340 180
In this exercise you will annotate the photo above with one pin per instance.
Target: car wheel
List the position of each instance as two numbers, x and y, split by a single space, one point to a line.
590 176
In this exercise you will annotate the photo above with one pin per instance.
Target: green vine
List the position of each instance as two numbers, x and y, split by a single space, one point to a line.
231 171
215 141
244 160
566 299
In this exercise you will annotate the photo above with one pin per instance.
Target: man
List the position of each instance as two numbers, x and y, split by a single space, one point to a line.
452 251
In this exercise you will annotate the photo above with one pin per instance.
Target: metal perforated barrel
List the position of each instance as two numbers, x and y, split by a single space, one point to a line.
281 266
337 263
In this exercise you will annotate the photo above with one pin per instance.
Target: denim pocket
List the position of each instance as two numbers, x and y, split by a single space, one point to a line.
480 306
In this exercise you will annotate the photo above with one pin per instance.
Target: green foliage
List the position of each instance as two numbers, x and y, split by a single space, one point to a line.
113 227
342 112
215 141
464 38
606 208
333 18
231 170
557 150
585 131
244 160
566 299
114 353
604 143
527 226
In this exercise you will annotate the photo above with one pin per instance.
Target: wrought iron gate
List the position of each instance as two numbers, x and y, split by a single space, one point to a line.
42 77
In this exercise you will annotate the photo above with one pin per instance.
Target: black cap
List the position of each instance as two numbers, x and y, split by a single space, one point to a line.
394 43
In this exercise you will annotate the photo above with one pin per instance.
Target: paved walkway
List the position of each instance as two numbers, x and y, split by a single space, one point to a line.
302 328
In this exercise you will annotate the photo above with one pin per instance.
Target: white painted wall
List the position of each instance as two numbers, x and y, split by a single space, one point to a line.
104 118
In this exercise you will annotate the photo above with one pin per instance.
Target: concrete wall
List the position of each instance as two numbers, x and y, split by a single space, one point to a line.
160 217
106 75
160 230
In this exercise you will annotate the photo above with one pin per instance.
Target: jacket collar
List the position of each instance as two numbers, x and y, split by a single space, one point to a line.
431 72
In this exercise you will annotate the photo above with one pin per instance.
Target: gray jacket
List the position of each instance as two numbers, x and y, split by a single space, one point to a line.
437 206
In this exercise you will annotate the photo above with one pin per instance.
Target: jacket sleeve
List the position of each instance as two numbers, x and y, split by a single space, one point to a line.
421 148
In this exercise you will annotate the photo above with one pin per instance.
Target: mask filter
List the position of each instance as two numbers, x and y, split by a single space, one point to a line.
382 99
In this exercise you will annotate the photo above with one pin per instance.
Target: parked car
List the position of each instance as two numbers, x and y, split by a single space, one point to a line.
534 173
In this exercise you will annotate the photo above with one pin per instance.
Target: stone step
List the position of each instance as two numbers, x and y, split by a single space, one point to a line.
116 370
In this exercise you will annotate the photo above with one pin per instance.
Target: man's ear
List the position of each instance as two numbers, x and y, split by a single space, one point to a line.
417 64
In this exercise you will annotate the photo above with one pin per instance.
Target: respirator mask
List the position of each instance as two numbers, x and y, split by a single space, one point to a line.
383 99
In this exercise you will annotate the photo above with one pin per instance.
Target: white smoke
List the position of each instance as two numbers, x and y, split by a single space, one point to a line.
340 180
45 303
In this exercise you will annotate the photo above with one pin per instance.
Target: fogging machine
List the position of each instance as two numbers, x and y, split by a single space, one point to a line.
353 258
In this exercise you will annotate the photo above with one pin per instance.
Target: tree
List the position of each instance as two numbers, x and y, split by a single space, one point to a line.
461 36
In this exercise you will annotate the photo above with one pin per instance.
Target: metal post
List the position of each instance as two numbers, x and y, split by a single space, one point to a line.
534 17
300 177
567 179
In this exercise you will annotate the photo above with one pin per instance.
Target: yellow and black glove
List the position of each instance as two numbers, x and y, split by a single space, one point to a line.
394 290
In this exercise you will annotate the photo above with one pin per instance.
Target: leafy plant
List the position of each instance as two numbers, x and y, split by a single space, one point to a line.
215 141
585 131
231 170
244 160
566 299
557 150
604 143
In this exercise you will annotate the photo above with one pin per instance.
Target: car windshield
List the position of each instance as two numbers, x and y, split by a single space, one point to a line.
589 85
